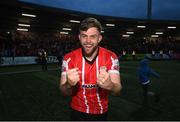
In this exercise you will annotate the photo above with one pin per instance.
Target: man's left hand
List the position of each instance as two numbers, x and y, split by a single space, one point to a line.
104 80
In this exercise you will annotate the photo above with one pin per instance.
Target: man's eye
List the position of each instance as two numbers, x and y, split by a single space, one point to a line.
83 36
94 36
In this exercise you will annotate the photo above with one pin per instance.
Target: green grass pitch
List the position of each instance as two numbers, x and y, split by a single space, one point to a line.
35 95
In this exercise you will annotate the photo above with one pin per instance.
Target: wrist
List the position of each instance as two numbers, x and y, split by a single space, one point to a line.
68 85
69 82
111 87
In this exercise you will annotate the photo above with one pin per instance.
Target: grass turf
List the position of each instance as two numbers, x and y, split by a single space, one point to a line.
36 95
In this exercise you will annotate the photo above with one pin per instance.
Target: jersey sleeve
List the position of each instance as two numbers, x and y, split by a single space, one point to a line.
113 64
66 64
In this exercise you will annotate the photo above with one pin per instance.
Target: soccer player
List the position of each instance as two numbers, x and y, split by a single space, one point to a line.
144 72
89 73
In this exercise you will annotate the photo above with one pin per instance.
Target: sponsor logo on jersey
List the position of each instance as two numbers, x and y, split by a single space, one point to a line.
89 86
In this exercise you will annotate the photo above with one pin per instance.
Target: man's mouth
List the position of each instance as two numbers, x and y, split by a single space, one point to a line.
88 46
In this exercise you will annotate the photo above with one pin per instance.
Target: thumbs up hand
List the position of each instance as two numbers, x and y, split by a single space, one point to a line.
104 80
73 76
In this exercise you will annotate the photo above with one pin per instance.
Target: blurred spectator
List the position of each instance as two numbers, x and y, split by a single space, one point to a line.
153 54
124 56
134 55
144 73
161 53
44 60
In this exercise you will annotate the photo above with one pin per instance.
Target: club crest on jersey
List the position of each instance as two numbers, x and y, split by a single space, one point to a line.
115 63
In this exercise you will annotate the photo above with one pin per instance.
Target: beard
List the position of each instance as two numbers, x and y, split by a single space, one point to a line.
89 52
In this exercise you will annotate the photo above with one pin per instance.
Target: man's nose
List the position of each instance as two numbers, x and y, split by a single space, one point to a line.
88 39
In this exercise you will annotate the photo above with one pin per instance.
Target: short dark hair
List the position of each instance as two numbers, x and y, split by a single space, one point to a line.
90 22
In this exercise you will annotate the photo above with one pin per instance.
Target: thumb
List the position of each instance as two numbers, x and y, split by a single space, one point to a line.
102 69
79 72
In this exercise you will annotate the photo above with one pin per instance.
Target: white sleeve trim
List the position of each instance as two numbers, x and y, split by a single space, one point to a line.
63 73
113 72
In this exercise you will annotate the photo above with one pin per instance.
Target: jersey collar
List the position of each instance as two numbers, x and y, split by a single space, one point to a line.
90 62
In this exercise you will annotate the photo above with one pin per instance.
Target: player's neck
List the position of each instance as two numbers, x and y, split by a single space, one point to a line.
92 57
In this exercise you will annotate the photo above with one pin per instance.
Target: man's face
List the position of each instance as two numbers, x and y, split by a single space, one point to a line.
89 40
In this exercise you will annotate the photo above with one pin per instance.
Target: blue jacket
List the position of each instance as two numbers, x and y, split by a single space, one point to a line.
144 72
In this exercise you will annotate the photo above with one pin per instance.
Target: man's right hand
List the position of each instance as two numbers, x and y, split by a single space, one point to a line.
73 76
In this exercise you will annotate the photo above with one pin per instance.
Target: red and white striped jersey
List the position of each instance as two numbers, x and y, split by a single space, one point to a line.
87 97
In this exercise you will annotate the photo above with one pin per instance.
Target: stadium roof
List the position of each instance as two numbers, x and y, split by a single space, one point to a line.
49 19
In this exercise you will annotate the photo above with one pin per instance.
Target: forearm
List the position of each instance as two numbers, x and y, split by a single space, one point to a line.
115 80
64 86
66 89
155 74
116 89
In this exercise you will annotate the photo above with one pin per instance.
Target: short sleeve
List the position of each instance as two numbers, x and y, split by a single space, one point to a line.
65 64
113 64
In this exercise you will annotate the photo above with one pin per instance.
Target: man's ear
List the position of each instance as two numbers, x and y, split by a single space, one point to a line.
79 36
100 38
